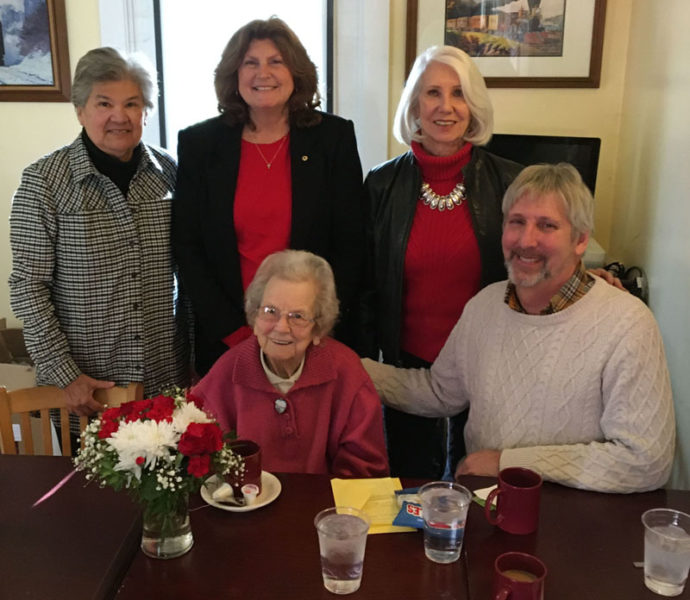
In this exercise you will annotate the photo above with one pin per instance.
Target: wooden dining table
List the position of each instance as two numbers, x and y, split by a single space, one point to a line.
61 538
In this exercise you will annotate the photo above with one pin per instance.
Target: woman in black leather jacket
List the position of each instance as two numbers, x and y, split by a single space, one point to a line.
434 232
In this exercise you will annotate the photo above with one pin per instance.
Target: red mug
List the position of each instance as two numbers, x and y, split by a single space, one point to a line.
251 453
517 501
518 576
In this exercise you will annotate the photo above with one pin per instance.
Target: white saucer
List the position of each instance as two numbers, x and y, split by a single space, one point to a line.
270 490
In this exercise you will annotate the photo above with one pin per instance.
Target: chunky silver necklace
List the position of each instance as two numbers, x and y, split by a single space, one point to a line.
269 163
449 201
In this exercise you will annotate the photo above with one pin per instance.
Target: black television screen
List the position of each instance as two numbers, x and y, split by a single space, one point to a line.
581 152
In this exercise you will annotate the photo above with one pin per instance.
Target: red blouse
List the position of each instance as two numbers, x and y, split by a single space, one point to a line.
442 268
263 204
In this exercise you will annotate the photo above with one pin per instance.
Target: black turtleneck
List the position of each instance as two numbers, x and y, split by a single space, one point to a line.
118 171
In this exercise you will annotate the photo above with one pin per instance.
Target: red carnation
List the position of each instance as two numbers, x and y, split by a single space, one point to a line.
199 465
111 414
162 408
201 438
198 400
108 428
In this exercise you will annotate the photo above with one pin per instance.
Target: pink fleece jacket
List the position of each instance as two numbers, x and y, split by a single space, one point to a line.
332 423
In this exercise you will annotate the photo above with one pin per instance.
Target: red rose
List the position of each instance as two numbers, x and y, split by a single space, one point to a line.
201 438
199 465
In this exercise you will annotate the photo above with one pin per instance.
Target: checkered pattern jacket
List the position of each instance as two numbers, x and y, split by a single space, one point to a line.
92 275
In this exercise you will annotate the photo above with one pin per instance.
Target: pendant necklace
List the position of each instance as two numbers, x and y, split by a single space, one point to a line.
270 162
435 201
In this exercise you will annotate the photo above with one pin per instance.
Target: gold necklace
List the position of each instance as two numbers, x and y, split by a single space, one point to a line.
436 201
269 163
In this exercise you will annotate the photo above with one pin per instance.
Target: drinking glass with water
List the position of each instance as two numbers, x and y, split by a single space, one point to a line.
444 507
342 541
666 550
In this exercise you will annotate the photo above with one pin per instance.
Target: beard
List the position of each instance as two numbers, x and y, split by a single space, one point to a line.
526 280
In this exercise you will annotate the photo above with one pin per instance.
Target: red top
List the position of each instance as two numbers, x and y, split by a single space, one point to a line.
442 266
263 204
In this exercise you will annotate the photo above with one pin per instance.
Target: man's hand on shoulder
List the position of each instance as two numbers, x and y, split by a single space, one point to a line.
484 462
80 400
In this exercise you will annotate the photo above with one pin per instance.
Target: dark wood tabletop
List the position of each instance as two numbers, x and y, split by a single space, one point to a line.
82 542
587 540
75 544
273 553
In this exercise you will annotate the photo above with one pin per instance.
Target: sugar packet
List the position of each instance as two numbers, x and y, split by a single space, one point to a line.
410 513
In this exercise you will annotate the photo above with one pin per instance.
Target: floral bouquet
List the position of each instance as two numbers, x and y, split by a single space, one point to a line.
160 450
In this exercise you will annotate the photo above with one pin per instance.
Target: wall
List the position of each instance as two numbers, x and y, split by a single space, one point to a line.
652 183
570 111
31 129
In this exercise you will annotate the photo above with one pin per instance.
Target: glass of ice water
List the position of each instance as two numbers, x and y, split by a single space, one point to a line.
342 539
444 507
666 550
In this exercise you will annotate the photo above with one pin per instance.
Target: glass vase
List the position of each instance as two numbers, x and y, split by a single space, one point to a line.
167 535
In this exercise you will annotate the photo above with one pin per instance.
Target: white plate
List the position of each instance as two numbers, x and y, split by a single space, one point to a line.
270 490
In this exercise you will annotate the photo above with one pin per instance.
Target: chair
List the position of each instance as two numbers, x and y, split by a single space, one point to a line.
25 401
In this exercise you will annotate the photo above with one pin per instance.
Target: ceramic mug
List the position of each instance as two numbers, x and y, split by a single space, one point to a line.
517 501
251 453
518 576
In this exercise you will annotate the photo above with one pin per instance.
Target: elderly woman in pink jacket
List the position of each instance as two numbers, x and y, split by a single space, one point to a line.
301 395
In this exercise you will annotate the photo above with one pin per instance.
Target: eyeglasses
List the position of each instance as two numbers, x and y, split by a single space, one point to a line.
271 314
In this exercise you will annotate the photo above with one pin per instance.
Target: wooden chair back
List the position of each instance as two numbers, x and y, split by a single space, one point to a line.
41 399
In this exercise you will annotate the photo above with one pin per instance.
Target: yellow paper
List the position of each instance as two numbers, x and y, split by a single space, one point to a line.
376 497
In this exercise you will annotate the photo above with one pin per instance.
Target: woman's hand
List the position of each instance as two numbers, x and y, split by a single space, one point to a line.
608 277
80 400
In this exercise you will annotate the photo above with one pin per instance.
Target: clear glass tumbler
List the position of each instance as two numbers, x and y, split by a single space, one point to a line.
444 507
666 550
342 540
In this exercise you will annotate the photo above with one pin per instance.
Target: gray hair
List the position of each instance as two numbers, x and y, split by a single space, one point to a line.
406 124
107 64
296 266
562 179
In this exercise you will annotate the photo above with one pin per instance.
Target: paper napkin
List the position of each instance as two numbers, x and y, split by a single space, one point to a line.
482 494
374 496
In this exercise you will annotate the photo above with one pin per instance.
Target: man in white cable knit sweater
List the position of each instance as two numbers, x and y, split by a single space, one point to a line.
563 373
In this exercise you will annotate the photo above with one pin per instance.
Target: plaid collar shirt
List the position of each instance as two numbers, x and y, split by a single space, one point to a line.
92 276
575 288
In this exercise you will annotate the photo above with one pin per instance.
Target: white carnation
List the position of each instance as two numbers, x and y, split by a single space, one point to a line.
189 413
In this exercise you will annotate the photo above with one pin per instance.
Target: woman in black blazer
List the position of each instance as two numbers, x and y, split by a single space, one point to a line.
271 172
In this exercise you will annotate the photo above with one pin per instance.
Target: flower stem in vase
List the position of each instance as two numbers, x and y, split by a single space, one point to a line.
167 534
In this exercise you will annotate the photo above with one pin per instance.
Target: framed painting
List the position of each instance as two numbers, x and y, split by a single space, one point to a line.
515 43
34 58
